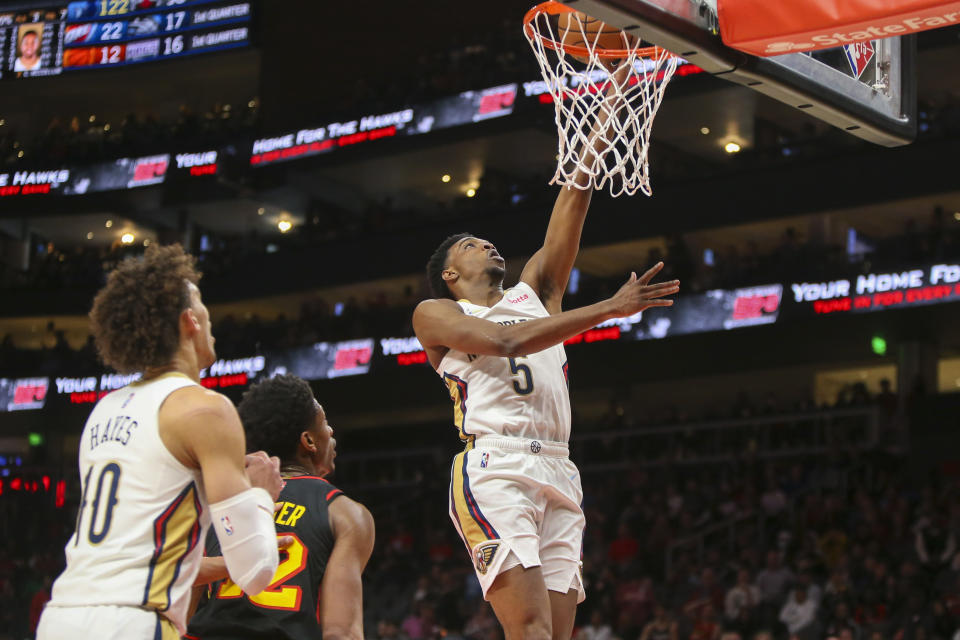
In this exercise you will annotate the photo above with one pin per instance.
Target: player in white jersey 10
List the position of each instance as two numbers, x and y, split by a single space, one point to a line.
514 494
159 460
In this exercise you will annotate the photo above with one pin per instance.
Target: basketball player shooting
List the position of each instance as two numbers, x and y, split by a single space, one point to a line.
515 495
159 459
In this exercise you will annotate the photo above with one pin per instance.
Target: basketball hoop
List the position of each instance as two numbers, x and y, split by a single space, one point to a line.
590 83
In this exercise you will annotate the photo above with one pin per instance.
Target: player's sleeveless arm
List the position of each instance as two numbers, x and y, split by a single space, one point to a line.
248 538
342 604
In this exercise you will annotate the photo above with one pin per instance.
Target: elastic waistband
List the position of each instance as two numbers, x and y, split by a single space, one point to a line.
525 445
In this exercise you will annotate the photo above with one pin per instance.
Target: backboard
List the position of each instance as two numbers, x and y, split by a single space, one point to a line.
866 89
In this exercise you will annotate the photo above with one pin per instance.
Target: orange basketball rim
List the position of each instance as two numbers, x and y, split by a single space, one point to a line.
555 8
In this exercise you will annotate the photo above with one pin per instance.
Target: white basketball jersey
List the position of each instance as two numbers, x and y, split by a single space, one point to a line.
143 515
523 397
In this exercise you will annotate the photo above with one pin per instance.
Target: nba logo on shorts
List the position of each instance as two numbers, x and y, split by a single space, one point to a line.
484 459
227 526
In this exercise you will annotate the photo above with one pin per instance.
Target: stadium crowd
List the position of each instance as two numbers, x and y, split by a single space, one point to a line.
848 546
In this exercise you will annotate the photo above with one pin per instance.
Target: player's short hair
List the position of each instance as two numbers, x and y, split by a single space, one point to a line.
274 413
135 317
438 262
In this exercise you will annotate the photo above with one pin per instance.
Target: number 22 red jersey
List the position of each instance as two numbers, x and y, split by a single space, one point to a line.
288 609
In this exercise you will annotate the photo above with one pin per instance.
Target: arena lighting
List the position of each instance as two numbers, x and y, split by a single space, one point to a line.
879 345
20 154
127 238
445 178
261 211
284 226
108 224
146 242
92 118
731 147
956 216
705 130
35 439
89 235
471 192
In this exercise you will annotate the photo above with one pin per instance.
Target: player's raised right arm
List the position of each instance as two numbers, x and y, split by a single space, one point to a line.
442 323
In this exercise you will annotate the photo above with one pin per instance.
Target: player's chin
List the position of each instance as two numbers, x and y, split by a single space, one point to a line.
497 270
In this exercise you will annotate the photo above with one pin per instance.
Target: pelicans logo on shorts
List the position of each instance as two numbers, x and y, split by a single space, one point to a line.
484 554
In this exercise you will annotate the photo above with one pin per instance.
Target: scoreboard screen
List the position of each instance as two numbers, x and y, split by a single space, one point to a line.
86 34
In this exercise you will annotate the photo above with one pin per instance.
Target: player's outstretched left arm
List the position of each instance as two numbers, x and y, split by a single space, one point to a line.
341 608
548 271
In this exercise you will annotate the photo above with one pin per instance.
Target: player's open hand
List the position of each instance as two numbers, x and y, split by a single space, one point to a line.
264 472
638 294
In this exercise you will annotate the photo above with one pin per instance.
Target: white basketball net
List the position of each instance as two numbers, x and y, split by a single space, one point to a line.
585 93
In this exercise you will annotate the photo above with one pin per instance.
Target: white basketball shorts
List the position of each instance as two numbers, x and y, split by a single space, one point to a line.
106 622
517 502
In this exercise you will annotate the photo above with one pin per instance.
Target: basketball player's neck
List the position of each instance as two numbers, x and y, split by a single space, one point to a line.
184 361
483 293
301 465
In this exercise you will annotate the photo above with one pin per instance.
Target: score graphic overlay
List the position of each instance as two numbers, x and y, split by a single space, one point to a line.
102 33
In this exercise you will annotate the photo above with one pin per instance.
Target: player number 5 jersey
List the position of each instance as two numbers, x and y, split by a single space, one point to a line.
526 396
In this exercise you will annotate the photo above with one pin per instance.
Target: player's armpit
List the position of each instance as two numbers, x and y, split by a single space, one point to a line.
341 613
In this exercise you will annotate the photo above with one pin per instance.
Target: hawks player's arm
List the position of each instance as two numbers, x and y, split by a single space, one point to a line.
441 325
341 608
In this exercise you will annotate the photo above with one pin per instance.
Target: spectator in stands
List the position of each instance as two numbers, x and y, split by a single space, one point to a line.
742 599
624 549
934 543
773 500
774 580
706 594
841 619
799 615
662 627
887 399
706 626
422 624
388 630
597 629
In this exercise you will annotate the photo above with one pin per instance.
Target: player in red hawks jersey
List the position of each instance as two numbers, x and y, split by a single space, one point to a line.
317 588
